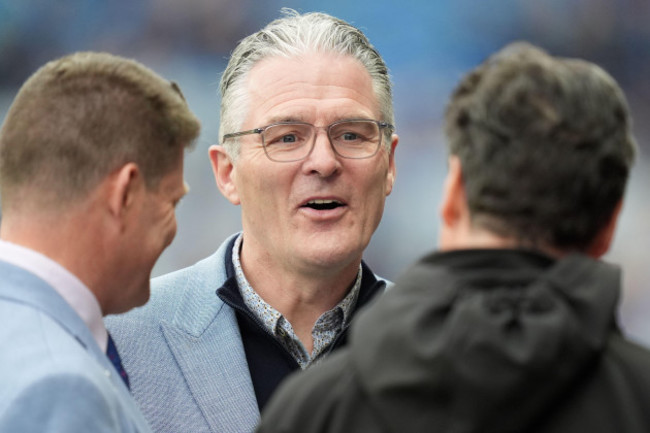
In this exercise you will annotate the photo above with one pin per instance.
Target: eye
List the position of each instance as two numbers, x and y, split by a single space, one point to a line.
353 133
288 138
286 135
348 137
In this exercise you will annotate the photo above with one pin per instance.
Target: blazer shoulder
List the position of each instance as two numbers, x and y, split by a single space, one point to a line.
185 298
34 344
47 370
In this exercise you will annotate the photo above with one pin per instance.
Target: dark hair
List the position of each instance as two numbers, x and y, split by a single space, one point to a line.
545 146
79 118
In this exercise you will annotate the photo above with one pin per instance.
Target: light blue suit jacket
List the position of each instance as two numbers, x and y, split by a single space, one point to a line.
53 375
184 354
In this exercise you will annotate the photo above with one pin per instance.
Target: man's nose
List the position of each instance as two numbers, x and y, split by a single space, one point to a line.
322 159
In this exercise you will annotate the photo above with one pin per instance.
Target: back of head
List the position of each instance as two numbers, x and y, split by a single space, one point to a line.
545 147
79 118
290 36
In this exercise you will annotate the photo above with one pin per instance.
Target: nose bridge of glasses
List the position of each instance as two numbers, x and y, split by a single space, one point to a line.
320 134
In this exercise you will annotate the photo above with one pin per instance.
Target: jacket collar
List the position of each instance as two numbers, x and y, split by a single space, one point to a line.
39 295
204 338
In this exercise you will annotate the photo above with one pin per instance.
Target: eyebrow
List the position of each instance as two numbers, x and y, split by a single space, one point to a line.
282 119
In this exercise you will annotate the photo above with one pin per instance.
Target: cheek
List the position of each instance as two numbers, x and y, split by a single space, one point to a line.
263 190
377 184
375 195
172 231
166 228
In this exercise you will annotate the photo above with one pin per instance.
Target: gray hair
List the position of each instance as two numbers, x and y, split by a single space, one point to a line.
290 36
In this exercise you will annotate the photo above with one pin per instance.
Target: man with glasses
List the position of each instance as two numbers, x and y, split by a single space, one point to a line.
307 150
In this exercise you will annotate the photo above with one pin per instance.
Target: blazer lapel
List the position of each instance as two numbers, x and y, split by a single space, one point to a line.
205 340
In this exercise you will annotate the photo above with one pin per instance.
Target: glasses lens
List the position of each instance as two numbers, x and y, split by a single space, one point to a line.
356 138
287 141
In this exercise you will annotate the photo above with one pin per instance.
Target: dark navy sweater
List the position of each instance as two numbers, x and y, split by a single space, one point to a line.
268 360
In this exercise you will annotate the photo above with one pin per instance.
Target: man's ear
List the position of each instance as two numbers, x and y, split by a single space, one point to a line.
453 196
224 172
605 236
123 188
392 170
454 211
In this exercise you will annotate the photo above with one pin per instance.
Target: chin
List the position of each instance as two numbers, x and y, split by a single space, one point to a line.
333 256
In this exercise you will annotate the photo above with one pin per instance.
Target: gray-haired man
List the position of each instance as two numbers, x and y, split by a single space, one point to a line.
307 150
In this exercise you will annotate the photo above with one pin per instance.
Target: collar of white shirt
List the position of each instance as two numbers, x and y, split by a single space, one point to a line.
66 284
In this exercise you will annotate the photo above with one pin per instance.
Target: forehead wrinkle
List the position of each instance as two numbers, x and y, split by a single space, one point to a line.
310 114
323 90
305 91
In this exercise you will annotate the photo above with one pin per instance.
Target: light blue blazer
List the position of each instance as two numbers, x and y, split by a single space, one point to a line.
53 375
184 354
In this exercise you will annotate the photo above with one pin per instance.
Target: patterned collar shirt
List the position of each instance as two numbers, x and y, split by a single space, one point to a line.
325 330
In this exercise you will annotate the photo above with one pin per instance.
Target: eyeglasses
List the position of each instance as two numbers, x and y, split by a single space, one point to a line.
293 141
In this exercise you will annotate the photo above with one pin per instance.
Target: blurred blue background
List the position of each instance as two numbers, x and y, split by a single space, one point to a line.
427 44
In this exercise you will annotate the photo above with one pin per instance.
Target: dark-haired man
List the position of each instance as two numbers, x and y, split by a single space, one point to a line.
511 326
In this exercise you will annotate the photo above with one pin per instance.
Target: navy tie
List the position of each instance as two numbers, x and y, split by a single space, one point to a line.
111 352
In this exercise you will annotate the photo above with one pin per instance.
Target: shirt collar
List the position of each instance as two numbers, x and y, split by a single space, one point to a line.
269 316
66 284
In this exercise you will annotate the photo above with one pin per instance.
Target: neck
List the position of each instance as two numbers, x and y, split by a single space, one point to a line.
300 295
473 237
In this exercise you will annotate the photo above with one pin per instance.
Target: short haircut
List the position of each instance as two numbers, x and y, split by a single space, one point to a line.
291 36
79 118
545 146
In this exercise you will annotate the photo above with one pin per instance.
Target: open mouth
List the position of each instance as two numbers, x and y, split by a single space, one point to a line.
323 204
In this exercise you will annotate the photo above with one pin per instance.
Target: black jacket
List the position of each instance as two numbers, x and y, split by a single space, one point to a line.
480 341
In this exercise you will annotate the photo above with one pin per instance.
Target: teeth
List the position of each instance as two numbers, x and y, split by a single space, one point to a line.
323 202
